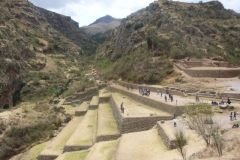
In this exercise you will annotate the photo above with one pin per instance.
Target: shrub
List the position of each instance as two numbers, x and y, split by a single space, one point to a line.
138 25
128 25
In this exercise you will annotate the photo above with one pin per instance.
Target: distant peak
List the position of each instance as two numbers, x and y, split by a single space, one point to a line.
105 19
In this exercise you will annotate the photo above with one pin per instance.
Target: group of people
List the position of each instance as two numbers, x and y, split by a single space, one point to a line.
144 91
235 126
170 97
222 102
130 88
233 115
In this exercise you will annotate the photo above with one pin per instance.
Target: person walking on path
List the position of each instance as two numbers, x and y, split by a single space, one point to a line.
122 108
235 115
175 122
165 98
161 93
197 98
231 116
228 101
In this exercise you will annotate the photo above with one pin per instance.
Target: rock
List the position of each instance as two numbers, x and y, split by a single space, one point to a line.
183 116
162 121
230 107
223 131
220 111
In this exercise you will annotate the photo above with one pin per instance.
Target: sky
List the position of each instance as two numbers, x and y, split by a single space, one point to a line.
86 12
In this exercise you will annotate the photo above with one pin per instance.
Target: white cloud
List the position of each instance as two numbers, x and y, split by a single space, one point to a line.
87 11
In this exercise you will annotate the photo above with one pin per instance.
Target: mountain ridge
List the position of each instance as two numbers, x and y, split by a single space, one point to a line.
101 25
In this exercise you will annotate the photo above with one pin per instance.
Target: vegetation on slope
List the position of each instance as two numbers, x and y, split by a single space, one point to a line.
140 49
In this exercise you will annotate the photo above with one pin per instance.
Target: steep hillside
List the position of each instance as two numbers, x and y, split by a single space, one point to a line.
36 47
140 48
102 25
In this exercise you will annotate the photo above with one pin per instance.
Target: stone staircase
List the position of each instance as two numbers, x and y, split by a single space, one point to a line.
95 130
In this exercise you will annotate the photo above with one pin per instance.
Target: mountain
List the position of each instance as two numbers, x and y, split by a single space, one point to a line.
37 47
102 25
141 49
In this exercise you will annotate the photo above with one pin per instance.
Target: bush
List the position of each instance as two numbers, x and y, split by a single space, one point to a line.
138 25
128 25
36 40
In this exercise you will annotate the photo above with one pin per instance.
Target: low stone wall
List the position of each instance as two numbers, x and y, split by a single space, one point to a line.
230 95
150 102
175 92
211 73
104 99
75 148
136 86
47 157
107 138
134 124
190 64
153 89
80 113
170 143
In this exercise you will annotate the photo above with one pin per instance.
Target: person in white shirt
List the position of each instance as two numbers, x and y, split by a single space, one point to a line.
175 122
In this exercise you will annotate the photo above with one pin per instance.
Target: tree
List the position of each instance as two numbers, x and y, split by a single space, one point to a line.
217 138
199 117
181 141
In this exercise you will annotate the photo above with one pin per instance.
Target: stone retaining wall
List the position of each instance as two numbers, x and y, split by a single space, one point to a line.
47 157
150 102
170 143
107 138
104 99
134 124
153 89
75 148
213 73
230 95
80 113
136 86
84 96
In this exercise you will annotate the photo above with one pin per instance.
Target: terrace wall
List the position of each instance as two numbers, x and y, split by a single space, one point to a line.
170 143
177 110
133 124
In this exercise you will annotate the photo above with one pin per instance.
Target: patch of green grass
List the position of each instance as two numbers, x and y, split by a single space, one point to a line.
76 155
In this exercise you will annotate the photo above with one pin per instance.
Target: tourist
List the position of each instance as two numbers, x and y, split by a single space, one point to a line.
161 93
235 115
157 91
165 98
235 126
228 101
214 103
171 98
197 98
231 116
222 101
175 122
122 108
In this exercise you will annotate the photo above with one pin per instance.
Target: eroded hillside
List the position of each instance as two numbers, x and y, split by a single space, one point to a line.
140 48
38 48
